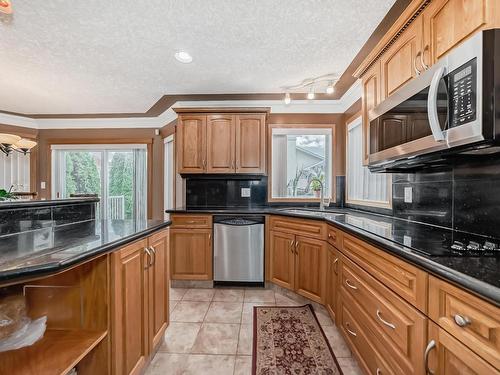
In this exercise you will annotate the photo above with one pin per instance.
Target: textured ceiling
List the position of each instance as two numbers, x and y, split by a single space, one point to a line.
60 56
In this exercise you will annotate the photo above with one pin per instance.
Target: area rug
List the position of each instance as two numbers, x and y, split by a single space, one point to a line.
288 340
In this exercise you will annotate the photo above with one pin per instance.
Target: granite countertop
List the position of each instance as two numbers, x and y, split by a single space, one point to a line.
4 205
55 248
480 275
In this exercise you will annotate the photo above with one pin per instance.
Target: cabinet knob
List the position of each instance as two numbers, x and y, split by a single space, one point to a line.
461 321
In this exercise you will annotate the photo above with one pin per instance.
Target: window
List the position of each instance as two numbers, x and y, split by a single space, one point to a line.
364 187
115 173
299 157
15 171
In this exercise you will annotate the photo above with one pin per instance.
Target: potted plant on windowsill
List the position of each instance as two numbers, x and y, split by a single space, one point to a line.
7 195
316 187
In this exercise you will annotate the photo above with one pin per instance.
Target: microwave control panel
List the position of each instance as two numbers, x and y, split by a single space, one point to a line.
462 89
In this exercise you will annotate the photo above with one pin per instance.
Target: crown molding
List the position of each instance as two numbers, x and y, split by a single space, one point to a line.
276 106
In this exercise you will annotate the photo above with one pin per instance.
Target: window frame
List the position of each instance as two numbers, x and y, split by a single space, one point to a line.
358 121
270 198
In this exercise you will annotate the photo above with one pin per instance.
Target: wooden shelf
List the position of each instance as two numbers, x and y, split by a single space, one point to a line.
55 354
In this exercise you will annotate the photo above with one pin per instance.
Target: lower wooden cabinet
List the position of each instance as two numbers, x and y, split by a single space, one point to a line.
191 254
332 277
299 263
445 355
139 308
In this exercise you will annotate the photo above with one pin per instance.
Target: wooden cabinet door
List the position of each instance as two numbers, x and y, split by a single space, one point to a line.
158 290
371 98
191 254
282 259
251 143
129 309
310 268
449 22
332 284
220 144
401 63
191 144
391 131
448 356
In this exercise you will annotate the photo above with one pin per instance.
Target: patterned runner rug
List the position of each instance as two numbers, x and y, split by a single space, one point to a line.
289 341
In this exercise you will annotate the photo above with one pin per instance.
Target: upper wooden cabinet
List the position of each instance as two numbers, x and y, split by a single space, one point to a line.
370 99
221 143
192 144
251 143
400 63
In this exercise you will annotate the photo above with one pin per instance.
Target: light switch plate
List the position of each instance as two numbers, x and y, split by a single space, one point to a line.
407 240
408 194
245 192
42 185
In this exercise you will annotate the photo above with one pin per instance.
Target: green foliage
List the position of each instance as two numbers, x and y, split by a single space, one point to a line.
82 175
121 179
4 195
315 185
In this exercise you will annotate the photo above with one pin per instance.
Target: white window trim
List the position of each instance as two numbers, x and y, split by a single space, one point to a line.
99 147
363 202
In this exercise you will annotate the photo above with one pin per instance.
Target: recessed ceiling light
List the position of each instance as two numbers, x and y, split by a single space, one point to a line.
183 57
310 94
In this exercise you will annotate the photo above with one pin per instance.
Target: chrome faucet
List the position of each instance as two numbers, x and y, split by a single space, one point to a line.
321 193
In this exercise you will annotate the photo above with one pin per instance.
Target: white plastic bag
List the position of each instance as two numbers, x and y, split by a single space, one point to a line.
29 333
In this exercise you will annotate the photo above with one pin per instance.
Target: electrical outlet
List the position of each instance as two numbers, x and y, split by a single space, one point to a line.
408 194
245 192
407 240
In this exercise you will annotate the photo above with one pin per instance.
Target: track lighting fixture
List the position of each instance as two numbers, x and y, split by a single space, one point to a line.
330 89
288 99
310 94
311 83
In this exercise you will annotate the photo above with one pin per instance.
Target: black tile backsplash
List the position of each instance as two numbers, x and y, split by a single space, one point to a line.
225 192
465 196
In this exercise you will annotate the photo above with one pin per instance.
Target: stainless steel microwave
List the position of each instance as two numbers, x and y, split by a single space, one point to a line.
453 107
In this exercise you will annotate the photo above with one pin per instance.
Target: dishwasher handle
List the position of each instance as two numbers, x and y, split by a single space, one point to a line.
239 220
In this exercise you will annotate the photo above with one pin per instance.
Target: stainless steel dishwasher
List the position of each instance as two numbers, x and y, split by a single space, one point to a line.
238 250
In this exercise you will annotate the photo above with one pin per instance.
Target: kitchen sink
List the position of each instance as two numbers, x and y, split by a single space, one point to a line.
327 214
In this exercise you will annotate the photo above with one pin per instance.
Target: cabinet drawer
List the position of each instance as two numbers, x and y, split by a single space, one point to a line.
301 227
473 321
402 278
398 325
364 349
334 236
191 221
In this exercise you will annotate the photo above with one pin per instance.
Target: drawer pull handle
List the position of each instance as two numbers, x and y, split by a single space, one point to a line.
379 316
417 71
336 265
148 252
461 321
352 333
379 372
291 246
431 345
424 65
348 283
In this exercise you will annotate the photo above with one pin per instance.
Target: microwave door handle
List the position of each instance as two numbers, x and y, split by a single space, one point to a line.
432 108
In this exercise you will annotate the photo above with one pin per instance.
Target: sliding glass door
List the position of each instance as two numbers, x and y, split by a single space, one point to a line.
117 174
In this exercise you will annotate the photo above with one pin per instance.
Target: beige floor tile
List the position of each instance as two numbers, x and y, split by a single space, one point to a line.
224 312
180 337
349 366
229 295
337 342
171 305
245 340
243 365
176 294
282 300
247 315
259 295
324 319
191 364
199 295
217 338
189 312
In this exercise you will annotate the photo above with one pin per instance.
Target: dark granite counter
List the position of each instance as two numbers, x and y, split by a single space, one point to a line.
53 248
15 204
403 238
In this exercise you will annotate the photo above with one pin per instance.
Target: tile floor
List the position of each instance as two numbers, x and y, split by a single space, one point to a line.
210 332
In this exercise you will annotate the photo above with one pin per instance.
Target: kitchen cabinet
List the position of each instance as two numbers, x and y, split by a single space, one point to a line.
401 62
282 259
191 254
139 302
332 277
251 143
445 355
370 83
298 263
221 142
191 145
